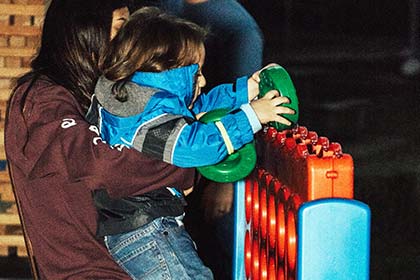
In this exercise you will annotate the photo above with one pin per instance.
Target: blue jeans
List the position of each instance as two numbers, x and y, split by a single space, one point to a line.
161 249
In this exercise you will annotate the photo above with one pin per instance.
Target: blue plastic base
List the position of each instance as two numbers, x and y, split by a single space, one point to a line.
333 240
238 262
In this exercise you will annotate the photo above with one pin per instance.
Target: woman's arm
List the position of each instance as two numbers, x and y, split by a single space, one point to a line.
51 137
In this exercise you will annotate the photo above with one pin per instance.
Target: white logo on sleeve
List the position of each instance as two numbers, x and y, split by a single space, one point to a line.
67 123
96 140
94 129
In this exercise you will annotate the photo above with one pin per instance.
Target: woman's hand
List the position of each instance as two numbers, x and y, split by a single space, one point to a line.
254 81
268 108
217 200
188 191
199 115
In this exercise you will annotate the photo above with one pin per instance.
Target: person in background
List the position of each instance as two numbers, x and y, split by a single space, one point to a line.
234 45
57 161
410 68
148 99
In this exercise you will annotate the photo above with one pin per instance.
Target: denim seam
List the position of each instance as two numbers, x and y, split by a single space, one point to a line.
138 235
161 266
126 257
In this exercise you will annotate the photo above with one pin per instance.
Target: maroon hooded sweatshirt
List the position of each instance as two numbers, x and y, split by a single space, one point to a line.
57 159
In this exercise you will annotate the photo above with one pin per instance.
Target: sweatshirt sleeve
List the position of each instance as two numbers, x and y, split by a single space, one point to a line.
230 96
53 138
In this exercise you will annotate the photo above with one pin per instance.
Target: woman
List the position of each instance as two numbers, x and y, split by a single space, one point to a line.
56 159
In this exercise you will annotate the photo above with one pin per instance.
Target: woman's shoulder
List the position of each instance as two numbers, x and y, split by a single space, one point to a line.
42 94
30 83
40 89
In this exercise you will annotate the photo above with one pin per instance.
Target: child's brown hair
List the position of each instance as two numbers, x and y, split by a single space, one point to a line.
151 41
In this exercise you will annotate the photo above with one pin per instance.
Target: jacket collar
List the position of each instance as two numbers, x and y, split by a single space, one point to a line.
179 81
138 96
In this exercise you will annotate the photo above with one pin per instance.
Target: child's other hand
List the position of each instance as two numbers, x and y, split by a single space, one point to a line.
267 108
253 83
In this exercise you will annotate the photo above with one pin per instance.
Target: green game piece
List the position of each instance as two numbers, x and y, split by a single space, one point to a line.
276 77
235 166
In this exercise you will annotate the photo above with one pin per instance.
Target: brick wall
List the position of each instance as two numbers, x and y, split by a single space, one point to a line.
20 30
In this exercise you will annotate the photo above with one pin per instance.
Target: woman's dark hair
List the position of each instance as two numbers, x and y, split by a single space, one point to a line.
74 36
151 41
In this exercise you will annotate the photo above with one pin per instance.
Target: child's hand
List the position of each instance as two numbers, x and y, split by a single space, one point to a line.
253 83
267 108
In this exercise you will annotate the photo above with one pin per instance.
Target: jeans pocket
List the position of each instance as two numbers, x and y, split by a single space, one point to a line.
141 258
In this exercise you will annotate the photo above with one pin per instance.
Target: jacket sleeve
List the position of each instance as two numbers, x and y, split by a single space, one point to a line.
186 142
230 96
189 143
202 144
53 138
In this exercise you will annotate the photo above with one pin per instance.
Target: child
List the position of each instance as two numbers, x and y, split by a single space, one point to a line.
148 98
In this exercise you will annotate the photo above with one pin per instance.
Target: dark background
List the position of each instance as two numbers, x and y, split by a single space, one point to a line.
345 58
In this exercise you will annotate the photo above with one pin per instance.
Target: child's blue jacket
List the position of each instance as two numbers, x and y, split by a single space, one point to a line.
156 120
